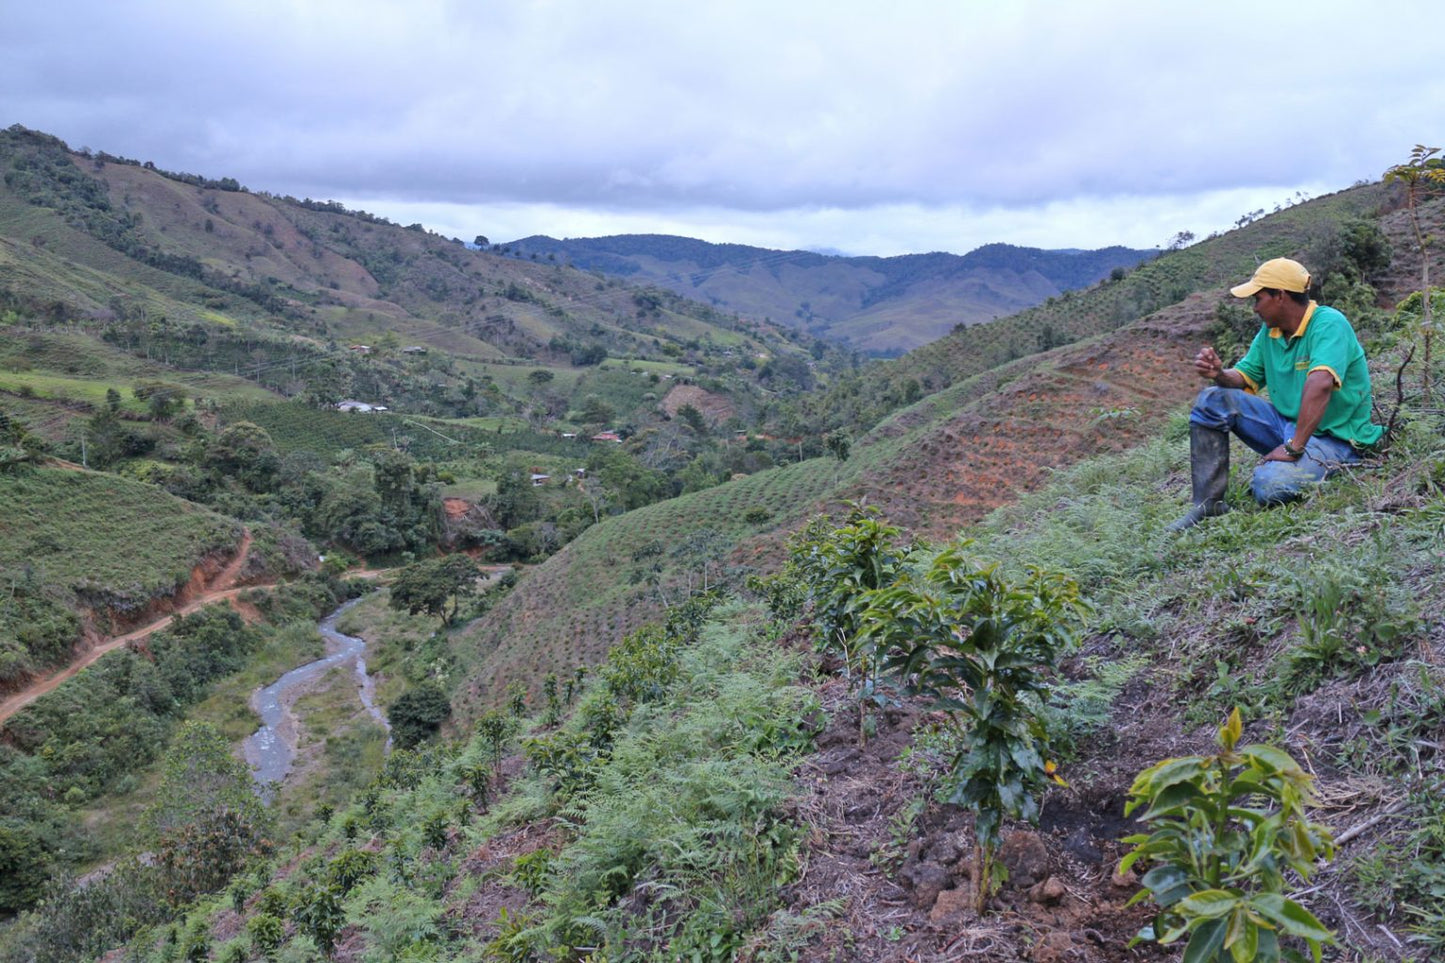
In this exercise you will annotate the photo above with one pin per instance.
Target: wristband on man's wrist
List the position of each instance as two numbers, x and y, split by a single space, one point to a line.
1292 451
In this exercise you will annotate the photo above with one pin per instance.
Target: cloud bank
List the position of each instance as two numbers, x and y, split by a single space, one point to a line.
858 127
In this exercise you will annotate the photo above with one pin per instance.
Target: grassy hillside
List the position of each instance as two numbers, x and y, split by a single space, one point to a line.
1308 231
92 527
570 610
1318 620
92 543
710 790
203 274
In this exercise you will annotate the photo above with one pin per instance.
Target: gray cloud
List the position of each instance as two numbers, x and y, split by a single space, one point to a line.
815 113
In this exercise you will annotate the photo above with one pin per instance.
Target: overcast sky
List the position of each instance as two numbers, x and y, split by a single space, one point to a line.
879 127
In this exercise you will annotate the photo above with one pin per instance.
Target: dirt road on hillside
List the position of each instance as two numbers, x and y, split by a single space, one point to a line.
222 587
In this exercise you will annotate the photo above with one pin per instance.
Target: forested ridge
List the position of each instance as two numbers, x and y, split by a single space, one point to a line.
828 295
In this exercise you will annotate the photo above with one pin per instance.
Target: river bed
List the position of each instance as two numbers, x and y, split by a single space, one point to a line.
271 749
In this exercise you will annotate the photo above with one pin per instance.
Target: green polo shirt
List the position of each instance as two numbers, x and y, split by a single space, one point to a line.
1324 340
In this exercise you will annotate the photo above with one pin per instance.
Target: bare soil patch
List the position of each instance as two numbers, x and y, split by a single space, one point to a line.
908 886
714 408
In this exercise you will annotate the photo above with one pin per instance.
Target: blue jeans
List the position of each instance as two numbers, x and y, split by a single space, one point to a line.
1262 428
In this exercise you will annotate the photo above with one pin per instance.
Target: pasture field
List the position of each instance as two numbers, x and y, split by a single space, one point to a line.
76 367
91 533
294 426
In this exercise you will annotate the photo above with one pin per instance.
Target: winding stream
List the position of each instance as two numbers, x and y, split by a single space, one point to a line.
271 749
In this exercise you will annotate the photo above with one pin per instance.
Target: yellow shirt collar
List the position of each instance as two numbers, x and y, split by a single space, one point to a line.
1304 323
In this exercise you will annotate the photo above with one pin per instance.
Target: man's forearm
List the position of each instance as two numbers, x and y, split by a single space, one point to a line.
1313 401
1230 378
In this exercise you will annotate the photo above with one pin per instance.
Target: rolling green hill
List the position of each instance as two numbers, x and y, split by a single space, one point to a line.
991 429
203 274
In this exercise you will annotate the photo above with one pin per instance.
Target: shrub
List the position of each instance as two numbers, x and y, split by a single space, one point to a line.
24 867
418 714
267 933
319 915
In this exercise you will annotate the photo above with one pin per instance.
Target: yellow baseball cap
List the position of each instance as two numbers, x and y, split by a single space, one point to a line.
1280 273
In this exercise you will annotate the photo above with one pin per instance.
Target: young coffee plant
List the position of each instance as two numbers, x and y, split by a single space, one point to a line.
786 592
550 692
1226 829
985 649
495 729
318 913
477 778
861 557
267 933
836 571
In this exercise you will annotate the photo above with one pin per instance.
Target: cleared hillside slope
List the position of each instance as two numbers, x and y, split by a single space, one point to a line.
240 278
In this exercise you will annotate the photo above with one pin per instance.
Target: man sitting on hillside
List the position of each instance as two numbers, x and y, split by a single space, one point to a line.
1317 418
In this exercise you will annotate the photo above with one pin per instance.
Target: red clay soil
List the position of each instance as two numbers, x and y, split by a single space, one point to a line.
1084 400
907 887
201 590
714 408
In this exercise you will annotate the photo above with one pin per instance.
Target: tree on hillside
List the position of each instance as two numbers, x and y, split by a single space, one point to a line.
349 510
693 418
24 866
631 483
787 373
703 552
596 412
427 586
325 384
17 445
1422 173
418 714
589 354
162 400
201 775
244 451
34 828
515 501
410 501
109 439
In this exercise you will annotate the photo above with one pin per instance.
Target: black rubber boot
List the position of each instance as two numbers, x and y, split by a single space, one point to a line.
1209 469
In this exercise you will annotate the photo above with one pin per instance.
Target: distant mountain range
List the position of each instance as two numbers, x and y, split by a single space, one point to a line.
878 305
